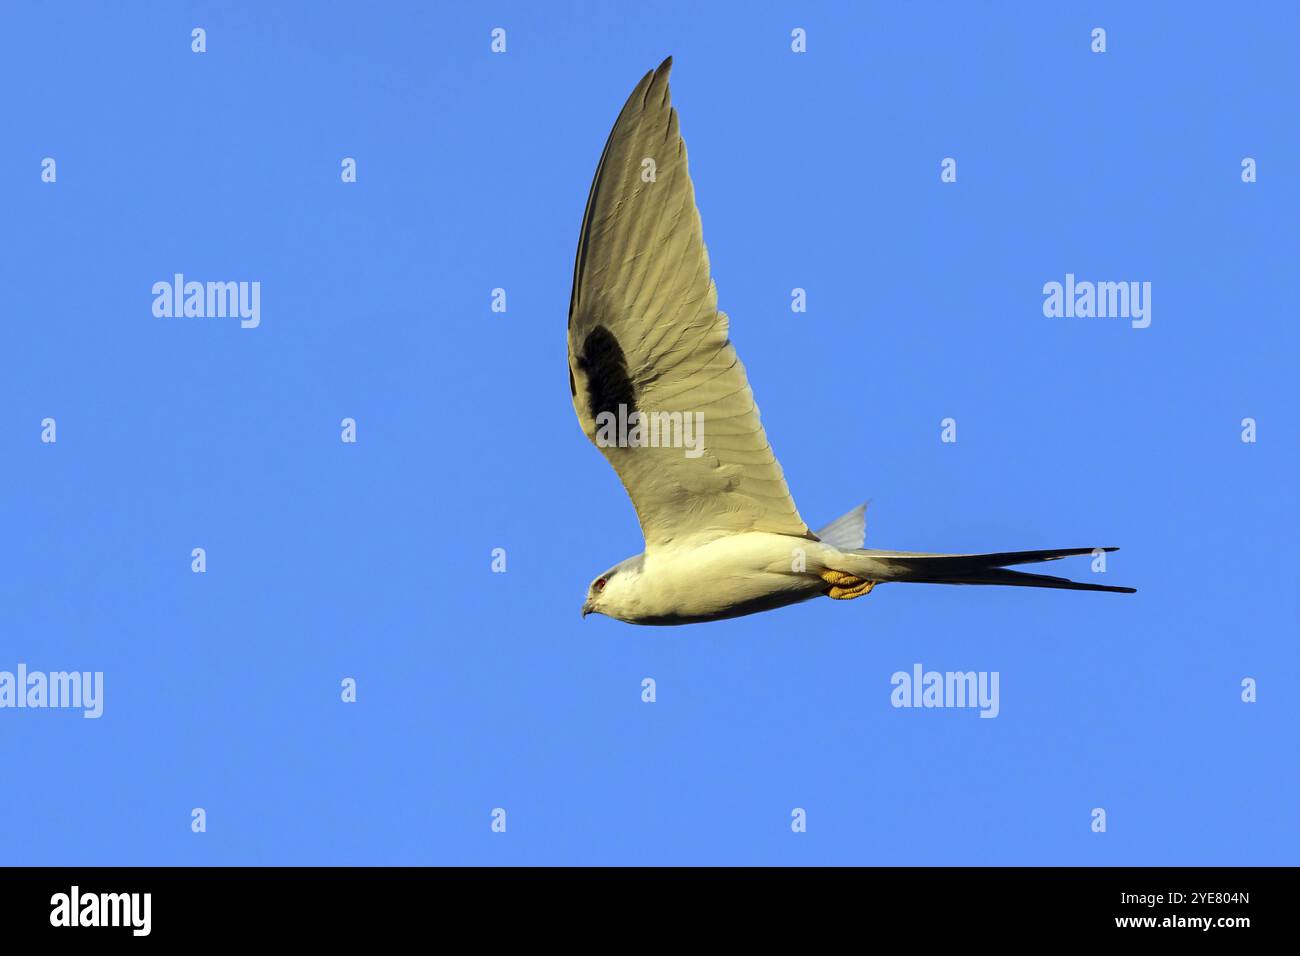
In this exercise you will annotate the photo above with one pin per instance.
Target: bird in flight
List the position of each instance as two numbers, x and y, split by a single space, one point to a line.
658 388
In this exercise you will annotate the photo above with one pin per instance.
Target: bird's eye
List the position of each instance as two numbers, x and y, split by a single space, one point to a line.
599 585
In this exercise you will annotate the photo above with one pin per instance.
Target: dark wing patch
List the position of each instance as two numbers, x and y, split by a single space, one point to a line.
605 365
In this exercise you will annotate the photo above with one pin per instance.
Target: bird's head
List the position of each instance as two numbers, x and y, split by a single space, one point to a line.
613 593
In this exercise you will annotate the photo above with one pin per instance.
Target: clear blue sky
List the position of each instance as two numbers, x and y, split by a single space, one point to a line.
372 560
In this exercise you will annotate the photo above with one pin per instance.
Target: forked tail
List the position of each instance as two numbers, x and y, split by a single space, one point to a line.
971 568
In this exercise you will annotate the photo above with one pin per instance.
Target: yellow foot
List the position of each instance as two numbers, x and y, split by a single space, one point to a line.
845 587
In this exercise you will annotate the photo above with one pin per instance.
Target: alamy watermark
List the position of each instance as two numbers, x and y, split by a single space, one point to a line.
75 908
651 430
81 690
922 688
208 300
1102 300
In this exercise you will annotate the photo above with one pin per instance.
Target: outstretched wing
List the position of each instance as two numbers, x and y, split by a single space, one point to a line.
649 348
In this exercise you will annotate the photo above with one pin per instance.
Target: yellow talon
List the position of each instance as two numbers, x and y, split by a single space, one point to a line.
845 587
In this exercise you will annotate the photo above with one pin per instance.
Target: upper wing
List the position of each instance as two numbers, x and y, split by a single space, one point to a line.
645 334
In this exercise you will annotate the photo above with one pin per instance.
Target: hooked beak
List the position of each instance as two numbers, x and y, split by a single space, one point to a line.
586 609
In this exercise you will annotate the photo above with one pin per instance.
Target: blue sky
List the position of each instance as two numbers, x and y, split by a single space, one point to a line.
372 560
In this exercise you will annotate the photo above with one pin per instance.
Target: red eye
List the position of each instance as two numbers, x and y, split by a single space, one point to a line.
599 585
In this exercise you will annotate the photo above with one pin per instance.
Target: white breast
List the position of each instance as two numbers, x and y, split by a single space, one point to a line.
727 577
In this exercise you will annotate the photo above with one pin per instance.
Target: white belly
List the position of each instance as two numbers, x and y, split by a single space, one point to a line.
727 577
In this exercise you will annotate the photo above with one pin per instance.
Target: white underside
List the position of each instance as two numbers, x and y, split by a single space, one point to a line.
725 577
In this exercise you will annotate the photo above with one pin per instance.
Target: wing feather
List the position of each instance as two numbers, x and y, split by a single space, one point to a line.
645 333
